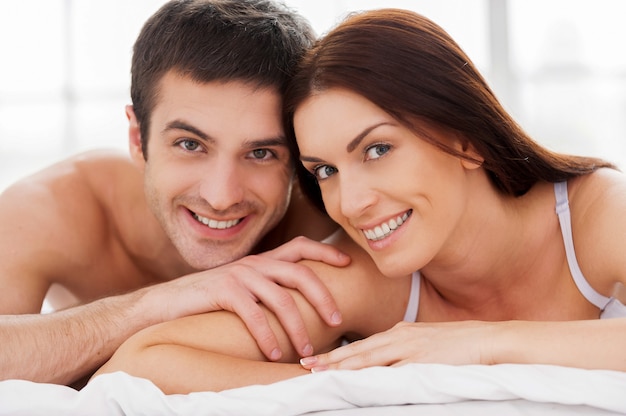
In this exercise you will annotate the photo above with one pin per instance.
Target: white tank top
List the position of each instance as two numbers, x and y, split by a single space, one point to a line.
610 307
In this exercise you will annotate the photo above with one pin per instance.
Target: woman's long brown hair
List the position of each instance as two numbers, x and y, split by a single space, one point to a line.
412 69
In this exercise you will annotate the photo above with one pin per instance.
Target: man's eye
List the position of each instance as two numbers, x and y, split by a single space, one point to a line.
324 171
190 145
376 151
262 154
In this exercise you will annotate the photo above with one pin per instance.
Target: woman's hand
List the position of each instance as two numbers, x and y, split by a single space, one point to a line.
465 342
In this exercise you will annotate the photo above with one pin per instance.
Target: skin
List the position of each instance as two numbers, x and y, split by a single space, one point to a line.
84 231
493 288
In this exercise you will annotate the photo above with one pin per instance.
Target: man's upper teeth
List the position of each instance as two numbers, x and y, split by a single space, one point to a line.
220 225
381 231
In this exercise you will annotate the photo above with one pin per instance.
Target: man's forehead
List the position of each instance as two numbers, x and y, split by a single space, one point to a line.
173 79
217 107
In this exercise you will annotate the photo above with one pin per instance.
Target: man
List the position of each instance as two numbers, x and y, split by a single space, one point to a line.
208 182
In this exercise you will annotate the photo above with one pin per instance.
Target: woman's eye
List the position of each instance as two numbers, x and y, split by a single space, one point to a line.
189 145
376 151
324 171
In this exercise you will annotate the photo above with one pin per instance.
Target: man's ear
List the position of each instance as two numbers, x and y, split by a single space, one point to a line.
134 138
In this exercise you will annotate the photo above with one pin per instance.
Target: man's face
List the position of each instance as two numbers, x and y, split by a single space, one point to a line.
218 174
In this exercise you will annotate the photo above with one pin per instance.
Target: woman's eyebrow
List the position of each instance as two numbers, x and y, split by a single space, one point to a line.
359 138
310 159
353 143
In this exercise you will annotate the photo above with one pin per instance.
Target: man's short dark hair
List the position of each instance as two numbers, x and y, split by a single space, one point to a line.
253 41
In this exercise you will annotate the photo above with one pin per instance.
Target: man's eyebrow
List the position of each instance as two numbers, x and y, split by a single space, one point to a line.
268 142
359 138
181 125
250 144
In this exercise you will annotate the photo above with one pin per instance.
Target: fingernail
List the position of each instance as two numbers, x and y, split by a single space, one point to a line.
306 361
319 369
275 354
307 350
335 319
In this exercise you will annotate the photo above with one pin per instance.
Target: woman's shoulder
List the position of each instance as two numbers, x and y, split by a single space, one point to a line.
362 266
598 203
597 197
595 185
371 301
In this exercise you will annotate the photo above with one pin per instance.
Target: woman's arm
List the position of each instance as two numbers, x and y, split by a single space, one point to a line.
591 344
215 351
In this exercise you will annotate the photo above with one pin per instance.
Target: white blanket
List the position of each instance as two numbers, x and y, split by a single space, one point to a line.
521 387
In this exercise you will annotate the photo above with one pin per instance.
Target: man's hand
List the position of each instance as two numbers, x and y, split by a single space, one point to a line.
239 287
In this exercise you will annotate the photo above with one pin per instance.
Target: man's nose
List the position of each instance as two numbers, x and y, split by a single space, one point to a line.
222 184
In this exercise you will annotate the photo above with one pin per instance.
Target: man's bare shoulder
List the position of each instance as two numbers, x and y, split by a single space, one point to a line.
73 189
56 221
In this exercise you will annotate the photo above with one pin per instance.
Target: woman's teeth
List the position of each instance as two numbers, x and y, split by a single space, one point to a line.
385 229
218 225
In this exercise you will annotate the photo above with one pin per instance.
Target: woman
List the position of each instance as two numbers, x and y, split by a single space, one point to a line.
393 120
492 248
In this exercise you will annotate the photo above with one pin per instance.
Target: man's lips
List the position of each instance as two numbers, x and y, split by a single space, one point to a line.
216 224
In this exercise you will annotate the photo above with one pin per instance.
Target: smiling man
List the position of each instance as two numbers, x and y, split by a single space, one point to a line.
116 244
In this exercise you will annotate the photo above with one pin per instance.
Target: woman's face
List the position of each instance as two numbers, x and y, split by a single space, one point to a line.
398 196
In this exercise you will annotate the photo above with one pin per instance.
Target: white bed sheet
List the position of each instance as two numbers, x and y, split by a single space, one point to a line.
430 389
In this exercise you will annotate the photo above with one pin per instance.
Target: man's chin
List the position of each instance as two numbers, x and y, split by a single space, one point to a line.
207 260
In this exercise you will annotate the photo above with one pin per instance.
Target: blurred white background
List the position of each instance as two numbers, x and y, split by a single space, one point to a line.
557 65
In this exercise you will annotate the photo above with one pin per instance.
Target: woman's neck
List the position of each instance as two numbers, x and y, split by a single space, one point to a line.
499 258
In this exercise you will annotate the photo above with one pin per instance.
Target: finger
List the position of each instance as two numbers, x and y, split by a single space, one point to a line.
276 299
256 321
284 307
341 355
382 356
304 280
303 248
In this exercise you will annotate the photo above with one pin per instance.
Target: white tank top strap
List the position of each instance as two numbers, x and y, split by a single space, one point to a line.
414 298
562 210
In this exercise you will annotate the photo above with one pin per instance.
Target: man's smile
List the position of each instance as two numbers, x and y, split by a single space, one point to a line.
216 224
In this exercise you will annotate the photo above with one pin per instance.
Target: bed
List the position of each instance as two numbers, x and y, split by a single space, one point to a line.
425 389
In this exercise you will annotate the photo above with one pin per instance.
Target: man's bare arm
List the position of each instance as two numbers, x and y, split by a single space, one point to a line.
63 346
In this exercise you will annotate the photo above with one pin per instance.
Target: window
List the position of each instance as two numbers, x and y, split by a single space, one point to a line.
555 64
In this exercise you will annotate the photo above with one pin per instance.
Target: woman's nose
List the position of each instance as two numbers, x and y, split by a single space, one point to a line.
356 196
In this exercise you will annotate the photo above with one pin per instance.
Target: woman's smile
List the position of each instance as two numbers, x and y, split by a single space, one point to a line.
387 228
